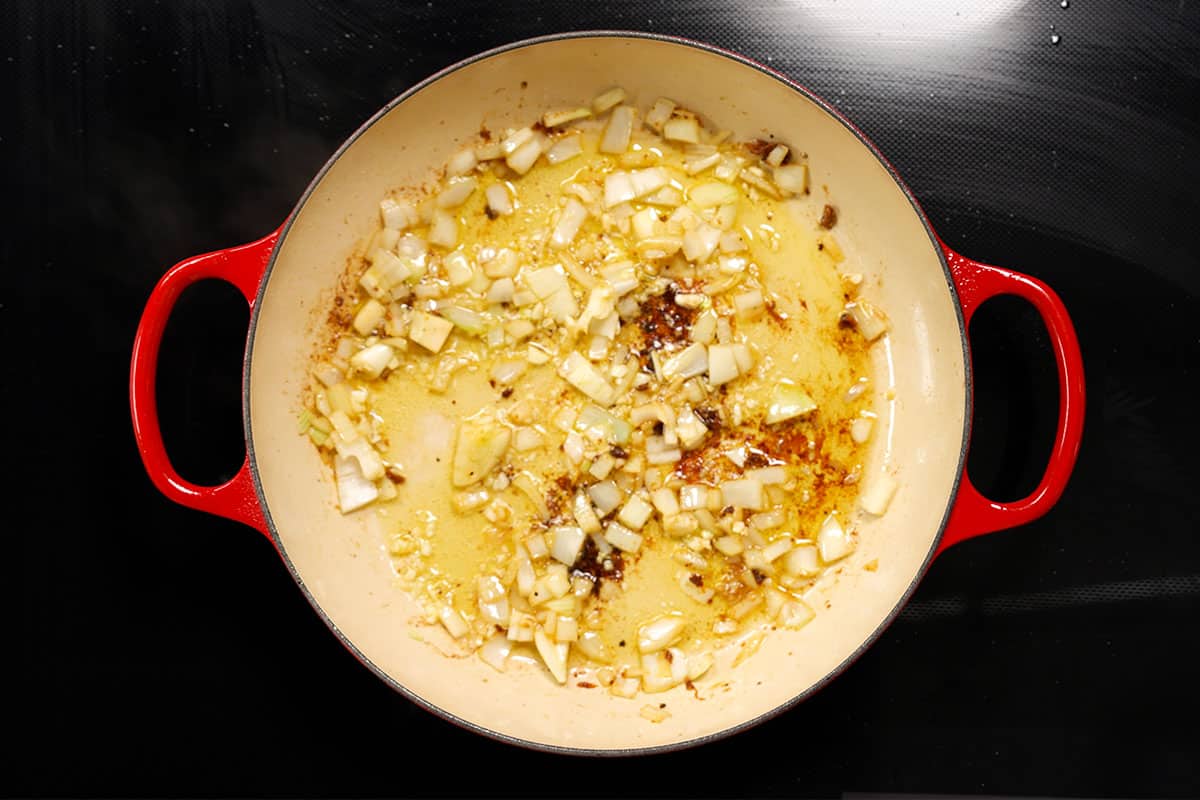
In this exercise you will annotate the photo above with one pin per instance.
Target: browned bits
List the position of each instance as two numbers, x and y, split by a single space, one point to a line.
663 322
586 685
696 580
491 212
616 451
507 393
711 417
846 321
590 563
828 217
758 147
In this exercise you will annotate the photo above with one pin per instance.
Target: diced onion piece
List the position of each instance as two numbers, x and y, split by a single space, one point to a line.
552 119
659 113
625 687
443 229
386 270
621 276
722 364
618 188
507 371
501 291
689 428
693 496
453 622
833 541
869 320
429 331
573 217
700 242
513 142
777 548
622 538
579 372
600 422
462 162
648 180
878 493
754 177
459 270
619 130
369 316
354 491
729 545
664 456
687 363
568 543
499 201
792 178
464 319
712 193
665 501
744 493
564 149
553 654
605 495
704 328
585 515
660 633
371 361
527 439
573 447
519 329
480 447
768 476
743 356
749 305
698 164
397 215
524 157
787 402
456 192
566 630
495 650
778 153
635 513
860 429
795 614
802 561
607 99
683 126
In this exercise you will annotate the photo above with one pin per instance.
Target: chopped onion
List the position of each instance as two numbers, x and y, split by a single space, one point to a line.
792 178
689 428
768 476
802 561
585 515
878 493
501 291
371 361
507 371
369 316
605 495
787 402
832 540
620 128
621 276
659 113
683 126
459 270
495 651
456 192
778 153
464 319
453 622
687 363
729 545
712 193
568 543
552 119
665 501
354 490
635 513
600 422
660 633
744 493
579 372
860 429
564 149
693 496
607 99
622 538
397 215
499 201
573 217
777 548
870 321
795 614
524 157
700 242
553 654
443 229
429 331
480 446
749 305
722 364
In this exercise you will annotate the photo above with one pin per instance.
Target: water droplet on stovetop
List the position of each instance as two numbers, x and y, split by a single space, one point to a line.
1055 38
1065 3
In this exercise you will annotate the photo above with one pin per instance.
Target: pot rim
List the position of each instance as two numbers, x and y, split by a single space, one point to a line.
696 741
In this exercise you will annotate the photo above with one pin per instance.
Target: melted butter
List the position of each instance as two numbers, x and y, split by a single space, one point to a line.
806 348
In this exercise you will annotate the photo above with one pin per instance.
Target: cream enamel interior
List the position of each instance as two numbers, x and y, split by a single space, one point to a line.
919 440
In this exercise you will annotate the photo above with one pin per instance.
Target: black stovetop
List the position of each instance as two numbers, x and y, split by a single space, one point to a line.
165 652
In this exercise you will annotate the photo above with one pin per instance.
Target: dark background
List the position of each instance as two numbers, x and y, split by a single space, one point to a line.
164 652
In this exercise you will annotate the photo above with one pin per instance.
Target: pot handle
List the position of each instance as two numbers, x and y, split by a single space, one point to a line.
973 514
243 267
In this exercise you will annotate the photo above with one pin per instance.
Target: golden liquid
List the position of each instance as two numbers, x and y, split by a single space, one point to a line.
808 349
